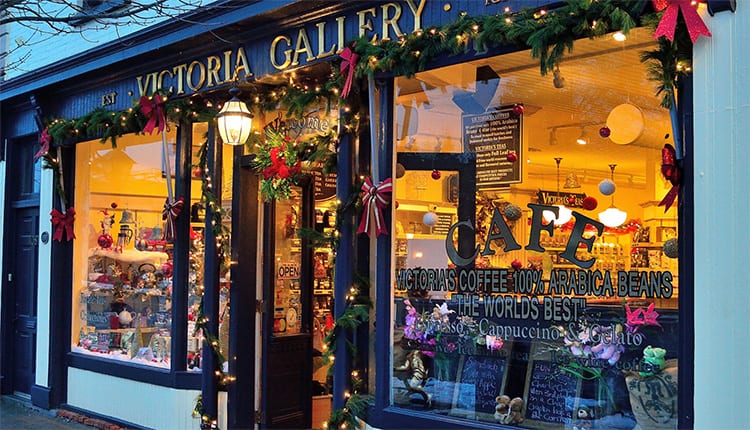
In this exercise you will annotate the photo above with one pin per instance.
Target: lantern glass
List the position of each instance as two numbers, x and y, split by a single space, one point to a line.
234 122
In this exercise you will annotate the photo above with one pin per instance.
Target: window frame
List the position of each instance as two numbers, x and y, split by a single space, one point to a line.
382 413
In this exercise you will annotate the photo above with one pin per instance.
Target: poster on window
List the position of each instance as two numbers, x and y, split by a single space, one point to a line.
492 136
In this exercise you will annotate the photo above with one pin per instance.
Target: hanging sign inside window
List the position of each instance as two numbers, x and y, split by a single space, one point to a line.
492 136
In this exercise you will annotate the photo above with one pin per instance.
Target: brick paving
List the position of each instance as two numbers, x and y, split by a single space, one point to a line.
17 414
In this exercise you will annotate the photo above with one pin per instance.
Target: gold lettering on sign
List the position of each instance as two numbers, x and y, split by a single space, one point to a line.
322 53
303 47
109 99
208 72
287 52
391 21
364 22
417 11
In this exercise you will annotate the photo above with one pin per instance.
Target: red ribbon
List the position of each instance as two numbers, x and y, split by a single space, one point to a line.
668 23
45 139
348 65
170 213
63 223
671 172
278 165
153 109
375 199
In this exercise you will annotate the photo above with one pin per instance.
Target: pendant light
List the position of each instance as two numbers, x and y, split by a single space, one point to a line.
563 214
234 120
613 217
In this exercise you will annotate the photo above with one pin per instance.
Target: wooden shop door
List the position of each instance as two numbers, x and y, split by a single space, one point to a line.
286 367
21 263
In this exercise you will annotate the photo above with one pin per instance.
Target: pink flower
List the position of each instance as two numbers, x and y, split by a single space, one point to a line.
640 317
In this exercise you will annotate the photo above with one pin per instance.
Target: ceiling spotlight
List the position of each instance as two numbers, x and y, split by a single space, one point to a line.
583 139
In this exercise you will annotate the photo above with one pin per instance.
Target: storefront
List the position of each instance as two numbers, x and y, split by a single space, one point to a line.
519 242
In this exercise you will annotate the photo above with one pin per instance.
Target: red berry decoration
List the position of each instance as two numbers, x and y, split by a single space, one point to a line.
518 109
516 264
113 205
435 174
589 203
512 157
604 131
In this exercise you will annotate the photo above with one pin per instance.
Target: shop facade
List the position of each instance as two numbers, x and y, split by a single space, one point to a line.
532 264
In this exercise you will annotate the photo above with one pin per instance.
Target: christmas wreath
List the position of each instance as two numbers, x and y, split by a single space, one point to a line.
277 159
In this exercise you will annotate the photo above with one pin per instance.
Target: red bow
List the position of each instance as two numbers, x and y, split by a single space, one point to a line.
375 199
63 223
348 64
45 139
671 172
278 165
170 213
693 21
153 109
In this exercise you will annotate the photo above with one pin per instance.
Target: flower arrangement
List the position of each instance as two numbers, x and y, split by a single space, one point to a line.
596 348
279 163
434 333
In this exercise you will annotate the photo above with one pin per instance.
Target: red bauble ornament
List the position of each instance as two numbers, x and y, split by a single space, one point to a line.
396 204
512 157
196 172
589 203
113 205
104 241
571 200
516 264
518 109
435 174
604 131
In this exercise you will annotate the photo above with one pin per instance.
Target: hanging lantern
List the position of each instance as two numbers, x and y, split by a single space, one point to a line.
234 120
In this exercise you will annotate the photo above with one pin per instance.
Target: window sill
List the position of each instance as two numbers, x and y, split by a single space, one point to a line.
136 372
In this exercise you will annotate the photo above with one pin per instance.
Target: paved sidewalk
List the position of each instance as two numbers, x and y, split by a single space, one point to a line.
17 414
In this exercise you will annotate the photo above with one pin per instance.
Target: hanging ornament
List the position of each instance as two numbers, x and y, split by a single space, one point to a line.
516 264
400 170
590 203
395 204
512 212
671 172
671 248
518 110
604 132
512 157
435 174
113 205
607 187
430 219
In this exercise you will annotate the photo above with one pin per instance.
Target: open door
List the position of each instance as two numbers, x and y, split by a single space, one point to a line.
286 362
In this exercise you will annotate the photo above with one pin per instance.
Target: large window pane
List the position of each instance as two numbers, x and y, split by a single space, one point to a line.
513 314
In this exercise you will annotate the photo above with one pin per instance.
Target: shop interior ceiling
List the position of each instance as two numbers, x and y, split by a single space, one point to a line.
598 75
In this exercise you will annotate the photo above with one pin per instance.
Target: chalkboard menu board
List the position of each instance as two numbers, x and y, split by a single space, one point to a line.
492 136
481 380
549 392
324 185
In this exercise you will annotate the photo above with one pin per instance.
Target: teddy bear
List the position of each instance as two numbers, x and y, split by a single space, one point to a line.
502 408
515 415
507 410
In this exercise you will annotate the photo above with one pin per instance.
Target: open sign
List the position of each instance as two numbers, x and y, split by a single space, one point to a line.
288 271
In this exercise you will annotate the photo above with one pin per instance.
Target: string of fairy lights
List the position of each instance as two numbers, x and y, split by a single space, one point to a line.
549 34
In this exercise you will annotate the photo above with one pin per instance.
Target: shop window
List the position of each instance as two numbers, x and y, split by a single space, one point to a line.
123 264
505 312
